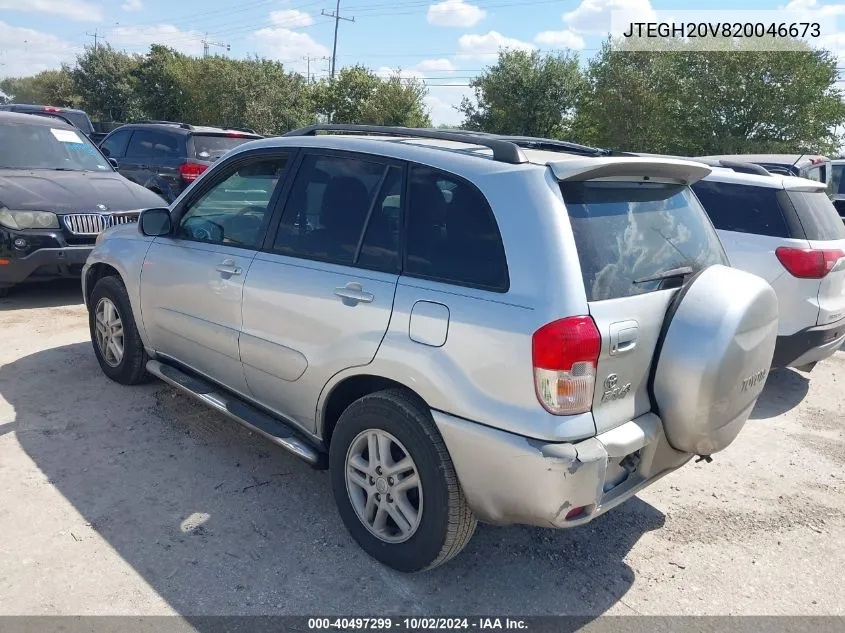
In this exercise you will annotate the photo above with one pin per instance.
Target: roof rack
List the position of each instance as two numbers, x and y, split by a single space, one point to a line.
184 126
503 151
547 144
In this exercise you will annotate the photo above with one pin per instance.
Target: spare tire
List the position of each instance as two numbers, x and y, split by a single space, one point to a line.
713 357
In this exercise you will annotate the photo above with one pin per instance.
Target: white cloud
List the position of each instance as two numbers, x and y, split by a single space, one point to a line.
814 5
132 5
442 102
74 9
139 38
488 46
27 51
404 73
593 16
289 47
290 18
455 13
560 39
435 65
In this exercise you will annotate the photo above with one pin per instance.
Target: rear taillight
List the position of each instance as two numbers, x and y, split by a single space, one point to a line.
565 355
51 109
191 171
808 263
235 135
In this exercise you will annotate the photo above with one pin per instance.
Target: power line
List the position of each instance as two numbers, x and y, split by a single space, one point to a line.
96 35
337 18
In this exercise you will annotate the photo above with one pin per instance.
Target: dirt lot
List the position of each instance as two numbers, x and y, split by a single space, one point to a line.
117 500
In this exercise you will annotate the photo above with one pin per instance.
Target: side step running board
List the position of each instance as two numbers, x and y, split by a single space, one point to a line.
252 418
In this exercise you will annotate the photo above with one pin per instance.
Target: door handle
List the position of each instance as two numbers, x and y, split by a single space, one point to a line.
353 293
227 267
623 337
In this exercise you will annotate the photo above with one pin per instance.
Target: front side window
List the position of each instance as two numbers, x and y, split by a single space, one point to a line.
115 145
331 202
38 146
452 234
233 210
628 233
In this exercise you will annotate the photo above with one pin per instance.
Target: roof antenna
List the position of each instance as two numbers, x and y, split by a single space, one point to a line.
797 159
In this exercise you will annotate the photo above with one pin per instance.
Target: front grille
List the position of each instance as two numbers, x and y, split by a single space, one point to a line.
96 223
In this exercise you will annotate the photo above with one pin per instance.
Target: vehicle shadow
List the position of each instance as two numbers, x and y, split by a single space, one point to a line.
785 389
219 522
47 294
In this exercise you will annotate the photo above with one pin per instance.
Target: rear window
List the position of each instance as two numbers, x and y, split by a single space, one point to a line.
79 119
817 214
213 147
742 208
626 232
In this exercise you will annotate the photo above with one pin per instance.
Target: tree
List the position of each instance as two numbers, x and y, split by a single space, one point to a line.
158 84
50 87
105 79
526 93
690 102
357 95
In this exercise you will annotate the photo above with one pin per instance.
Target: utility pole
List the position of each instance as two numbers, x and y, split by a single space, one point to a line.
337 18
206 43
96 35
308 59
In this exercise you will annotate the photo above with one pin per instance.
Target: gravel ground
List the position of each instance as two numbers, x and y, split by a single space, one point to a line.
119 500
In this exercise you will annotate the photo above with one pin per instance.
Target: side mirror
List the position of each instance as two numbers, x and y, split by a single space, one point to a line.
113 162
155 222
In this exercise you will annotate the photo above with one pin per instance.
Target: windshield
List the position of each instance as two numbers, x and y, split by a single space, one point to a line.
212 147
45 147
627 233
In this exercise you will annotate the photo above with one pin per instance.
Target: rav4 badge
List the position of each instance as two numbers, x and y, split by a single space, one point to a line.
612 389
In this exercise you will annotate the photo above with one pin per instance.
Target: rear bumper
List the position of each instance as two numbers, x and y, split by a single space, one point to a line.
43 264
509 479
810 345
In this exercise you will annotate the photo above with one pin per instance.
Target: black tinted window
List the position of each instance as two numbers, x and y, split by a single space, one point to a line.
152 144
742 208
817 214
210 147
627 232
452 234
115 145
836 184
328 208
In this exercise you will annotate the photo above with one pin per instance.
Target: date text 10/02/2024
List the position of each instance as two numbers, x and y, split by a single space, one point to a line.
416 624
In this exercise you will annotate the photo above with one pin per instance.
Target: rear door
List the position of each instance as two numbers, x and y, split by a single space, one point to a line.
626 234
825 232
319 298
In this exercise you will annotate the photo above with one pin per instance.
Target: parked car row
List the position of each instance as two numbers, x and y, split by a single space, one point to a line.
459 326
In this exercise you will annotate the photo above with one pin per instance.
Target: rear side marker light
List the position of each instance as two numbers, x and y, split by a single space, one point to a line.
574 513
565 355
808 263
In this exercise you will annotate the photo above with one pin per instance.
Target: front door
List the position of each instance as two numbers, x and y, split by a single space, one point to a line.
319 299
192 281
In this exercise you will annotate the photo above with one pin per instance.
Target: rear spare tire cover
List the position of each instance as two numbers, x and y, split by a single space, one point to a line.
713 358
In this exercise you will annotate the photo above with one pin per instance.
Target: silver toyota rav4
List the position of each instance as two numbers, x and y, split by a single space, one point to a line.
458 326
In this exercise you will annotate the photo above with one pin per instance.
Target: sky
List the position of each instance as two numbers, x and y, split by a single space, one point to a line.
446 43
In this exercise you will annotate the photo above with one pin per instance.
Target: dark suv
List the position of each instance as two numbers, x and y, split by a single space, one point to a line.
77 118
166 157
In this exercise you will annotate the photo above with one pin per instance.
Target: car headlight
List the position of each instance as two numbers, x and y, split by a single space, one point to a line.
28 219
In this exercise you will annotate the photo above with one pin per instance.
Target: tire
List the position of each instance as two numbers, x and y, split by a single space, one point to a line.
445 522
131 367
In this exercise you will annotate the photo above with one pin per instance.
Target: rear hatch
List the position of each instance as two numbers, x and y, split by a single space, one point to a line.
638 240
824 260
208 147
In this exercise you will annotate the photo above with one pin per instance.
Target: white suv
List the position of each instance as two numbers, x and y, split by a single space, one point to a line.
785 230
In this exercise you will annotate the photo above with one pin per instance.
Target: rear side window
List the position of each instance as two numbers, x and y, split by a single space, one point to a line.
212 147
452 234
742 208
332 200
152 144
817 214
626 232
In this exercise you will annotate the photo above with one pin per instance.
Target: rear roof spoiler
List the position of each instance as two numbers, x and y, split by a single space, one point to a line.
684 172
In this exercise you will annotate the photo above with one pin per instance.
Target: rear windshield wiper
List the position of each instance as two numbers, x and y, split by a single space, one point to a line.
683 271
